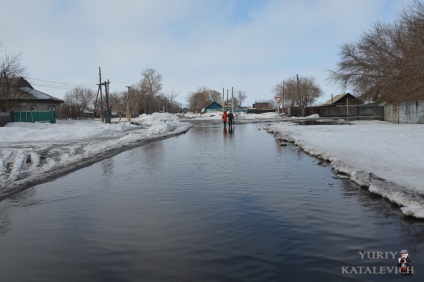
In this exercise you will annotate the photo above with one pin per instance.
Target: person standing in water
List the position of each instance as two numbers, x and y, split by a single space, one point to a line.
224 118
230 119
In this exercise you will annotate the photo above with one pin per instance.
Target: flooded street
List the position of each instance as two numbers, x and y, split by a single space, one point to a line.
208 205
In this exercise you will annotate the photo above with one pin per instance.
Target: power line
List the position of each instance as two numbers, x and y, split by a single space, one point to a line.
55 82
63 87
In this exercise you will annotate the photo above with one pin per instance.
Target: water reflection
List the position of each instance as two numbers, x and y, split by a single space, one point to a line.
107 166
196 208
5 223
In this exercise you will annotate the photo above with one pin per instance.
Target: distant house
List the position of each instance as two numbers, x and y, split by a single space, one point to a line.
343 100
262 106
259 108
214 106
27 98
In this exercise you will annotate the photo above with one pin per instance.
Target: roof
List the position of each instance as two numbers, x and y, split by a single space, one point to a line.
336 98
29 93
38 94
214 104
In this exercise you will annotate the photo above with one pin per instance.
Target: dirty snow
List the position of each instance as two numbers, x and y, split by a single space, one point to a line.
31 152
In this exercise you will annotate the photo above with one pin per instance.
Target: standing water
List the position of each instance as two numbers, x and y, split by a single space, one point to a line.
208 205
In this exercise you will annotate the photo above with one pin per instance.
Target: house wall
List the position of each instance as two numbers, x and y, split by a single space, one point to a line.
406 112
262 106
41 106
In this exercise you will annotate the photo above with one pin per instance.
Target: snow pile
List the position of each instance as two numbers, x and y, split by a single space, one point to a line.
270 115
31 152
31 132
156 118
382 156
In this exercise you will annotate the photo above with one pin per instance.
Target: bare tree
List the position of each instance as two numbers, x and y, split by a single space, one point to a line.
171 97
79 100
298 93
150 86
10 70
202 98
118 101
387 62
241 96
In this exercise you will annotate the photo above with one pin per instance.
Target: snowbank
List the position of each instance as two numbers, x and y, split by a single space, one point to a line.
385 157
33 152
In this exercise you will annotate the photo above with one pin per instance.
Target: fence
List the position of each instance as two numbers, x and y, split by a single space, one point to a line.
34 116
337 111
4 118
407 112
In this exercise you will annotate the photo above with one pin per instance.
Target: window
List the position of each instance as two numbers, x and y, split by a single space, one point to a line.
33 108
51 108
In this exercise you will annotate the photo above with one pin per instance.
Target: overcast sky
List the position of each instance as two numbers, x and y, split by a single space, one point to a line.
250 45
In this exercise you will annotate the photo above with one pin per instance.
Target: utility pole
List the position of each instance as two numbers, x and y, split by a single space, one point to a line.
223 98
128 110
232 99
298 90
108 113
227 100
282 101
101 96
145 100
347 106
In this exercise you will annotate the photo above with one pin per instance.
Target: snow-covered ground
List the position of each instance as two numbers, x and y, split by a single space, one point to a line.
33 152
387 158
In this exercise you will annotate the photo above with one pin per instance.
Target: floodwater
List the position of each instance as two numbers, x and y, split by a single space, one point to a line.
208 205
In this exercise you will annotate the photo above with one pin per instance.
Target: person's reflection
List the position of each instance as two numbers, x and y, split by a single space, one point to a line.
230 130
225 131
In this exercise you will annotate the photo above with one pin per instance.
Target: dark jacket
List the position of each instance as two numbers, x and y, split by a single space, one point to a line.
408 264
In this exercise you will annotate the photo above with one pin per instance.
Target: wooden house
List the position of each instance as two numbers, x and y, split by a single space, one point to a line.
343 100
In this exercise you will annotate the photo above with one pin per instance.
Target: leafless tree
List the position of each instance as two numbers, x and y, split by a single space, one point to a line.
171 97
202 98
118 102
241 96
387 62
150 86
302 92
10 70
80 99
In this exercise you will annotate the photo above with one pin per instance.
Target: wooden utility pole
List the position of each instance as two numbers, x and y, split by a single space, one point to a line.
298 91
101 96
99 90
282 100
108 113
226 104
128 110
232 99
223 98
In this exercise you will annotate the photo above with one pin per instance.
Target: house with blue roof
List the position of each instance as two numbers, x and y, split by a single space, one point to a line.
213 107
